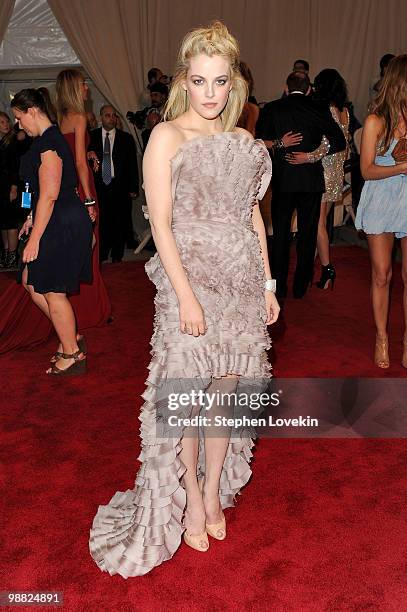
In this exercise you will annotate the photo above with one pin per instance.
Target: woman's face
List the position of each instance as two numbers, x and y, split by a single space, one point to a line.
4 125
27 121
208 84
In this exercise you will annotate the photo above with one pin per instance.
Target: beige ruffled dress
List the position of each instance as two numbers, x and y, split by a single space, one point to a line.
216 180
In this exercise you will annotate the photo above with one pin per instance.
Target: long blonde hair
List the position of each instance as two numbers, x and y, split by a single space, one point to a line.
213 40
69 97
391 99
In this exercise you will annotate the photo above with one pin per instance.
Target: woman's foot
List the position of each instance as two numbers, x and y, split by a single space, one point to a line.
381 353
194 522
328 275
81 345
215 519
72 364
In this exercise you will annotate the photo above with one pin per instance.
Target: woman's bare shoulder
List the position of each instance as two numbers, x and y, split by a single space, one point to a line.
374 122
240 130
72 122
165 139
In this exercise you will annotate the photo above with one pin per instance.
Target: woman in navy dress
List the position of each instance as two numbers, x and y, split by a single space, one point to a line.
58 253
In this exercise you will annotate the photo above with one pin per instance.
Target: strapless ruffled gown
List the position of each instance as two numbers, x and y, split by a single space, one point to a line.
216 180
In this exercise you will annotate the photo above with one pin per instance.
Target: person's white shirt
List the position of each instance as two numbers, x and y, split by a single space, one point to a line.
111 134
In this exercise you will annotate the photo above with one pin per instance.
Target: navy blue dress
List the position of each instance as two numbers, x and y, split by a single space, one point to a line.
65 252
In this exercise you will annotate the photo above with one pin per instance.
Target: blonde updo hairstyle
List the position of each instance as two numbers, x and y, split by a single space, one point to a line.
213 40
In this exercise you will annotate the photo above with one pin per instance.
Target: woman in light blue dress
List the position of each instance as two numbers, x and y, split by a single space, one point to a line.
382 211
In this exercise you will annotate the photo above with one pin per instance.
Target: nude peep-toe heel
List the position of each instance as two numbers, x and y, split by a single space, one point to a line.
198 542
381 353
216 530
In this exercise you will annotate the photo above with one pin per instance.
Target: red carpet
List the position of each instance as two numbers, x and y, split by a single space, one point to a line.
320 527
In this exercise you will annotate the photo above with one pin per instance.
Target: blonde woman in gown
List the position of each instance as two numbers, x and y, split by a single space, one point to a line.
203 179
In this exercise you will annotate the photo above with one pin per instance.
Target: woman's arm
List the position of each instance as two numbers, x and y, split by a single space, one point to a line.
272 305
82 168
261 232
163 144
301 157
50 174
288 140
370 137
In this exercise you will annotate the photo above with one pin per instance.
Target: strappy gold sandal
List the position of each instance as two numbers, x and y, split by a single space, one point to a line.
381 353
78 367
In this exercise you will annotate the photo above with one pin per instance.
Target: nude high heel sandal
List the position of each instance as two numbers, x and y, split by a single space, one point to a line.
198 542
381 353
216 530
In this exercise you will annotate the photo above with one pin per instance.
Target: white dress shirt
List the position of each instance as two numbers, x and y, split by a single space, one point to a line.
111 135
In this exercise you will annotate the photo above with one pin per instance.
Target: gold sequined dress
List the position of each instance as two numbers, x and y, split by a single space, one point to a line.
333 164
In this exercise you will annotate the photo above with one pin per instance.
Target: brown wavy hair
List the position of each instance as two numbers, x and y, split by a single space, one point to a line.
391 99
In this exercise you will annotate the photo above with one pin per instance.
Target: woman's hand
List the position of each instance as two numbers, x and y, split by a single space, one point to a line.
13 193
272 307
297 158
26 227
92 157
290 140
31 250
92 213
191 317
402 167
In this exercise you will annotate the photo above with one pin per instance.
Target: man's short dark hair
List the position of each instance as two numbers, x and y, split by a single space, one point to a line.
153 73
298 81
303 62
159 88
102 108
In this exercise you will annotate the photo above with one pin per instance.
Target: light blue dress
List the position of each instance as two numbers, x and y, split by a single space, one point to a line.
383 203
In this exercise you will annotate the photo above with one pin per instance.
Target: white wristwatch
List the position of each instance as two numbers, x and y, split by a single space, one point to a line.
270 285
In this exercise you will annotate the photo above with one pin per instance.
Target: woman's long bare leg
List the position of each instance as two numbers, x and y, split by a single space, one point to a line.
380 248
216 444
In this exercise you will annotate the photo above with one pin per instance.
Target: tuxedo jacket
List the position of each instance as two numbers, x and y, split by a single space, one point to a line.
124 158
299 113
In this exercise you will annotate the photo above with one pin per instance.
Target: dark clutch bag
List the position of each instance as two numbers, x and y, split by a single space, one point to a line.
400 151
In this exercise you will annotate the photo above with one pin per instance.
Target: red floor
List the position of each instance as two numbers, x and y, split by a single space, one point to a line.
320 527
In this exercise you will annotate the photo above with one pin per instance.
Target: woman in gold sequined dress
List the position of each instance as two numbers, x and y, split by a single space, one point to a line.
330 88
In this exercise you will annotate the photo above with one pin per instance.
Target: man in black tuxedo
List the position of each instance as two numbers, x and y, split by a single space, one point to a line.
296 186
116 183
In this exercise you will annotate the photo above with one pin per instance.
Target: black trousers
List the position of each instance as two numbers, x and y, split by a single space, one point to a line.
308 207
114 207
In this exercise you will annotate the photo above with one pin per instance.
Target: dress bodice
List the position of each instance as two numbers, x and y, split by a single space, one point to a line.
71 140
219 178
386 159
